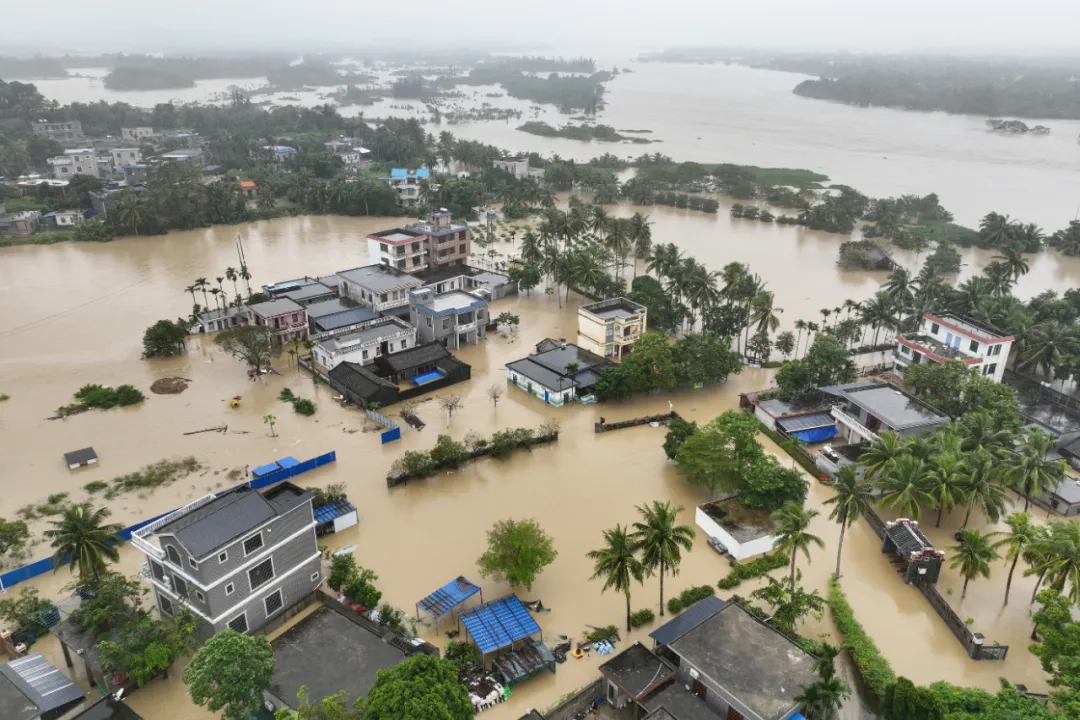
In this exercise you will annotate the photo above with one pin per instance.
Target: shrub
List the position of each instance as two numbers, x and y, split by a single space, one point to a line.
462 654
303 406
603 633
448 452
103 398
873 667
418 464
754 568
688 597
642 617
504 442
95 486
360 589
342 570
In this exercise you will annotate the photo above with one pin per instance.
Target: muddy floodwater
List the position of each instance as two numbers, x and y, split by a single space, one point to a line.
74 314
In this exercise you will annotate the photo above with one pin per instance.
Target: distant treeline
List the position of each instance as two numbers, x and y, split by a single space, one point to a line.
34 68
546 64
602 133
567 93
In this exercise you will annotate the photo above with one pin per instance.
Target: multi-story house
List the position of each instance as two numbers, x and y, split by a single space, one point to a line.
435 244
952 337
82 161
406 184
288 319
189 156
453 319
379 287
608 327
20 224
518 167
137 135
866 409
353 156
125 156
63 131
240 560
384 336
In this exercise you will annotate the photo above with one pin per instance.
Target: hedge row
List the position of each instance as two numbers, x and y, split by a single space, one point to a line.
752 569
874 668
688 597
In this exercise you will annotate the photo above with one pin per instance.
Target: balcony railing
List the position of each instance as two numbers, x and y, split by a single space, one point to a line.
860 429
139 537
466 327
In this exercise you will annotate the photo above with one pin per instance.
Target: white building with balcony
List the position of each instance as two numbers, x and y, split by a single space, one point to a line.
82 161
608 327
406 184
866 409
384 336
952 337
454 319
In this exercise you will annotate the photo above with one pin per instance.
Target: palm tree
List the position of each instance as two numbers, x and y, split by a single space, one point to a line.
980 483
946 480
1052 342
1060 558
851 500
1012 258
201 284
981 432
231 276
973 555
800 325
661 541
882 454
899 287
82 538
617 564
905 487
266 201
1067 241
792 525
996 230
999 279
1029 468
246 276
217 297
1022 533
764 313
191 289
823 699
639 231
825 313
879 312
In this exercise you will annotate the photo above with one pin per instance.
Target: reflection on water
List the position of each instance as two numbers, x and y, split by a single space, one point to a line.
75 314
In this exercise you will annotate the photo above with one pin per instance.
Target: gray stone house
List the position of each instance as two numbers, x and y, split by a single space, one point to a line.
454 319
243 560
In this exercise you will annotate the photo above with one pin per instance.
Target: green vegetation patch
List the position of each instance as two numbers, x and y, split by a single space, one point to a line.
151 477
302 406
753 569
791 177
688 597
874 668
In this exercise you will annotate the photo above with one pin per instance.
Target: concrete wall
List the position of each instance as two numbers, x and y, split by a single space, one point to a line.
576 703
534 388
739 551
769 420
592 335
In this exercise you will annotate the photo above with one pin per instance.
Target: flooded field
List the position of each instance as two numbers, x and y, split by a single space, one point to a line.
75 314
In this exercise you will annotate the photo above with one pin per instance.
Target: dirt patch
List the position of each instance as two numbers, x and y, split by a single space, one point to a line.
169 386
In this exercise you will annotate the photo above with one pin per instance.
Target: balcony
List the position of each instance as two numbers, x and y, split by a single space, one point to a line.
849 421
465 327
934 349
447 245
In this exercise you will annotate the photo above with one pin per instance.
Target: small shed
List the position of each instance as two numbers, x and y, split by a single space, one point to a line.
79 458
505 626
913 554
445 599
33 688
335 517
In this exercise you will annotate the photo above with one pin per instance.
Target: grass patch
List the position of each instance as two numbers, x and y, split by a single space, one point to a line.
874 668
95 486
151 477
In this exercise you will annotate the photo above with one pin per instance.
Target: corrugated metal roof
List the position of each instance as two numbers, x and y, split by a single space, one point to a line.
42 683
447 597
499 623
332 511
344 318
806 422
687 620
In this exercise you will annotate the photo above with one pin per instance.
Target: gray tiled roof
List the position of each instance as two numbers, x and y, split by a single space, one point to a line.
308 291
334 321
41 684
414 357
379 278
270 308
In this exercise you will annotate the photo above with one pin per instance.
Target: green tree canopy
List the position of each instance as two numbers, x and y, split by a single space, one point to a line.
230 672
1058 649
719 454
518 550
164 339
957 390
251 344
421 688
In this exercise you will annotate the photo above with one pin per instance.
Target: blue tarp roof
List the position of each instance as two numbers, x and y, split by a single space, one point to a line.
265 469
447 597
331 512
686 621
499 623
398 172
288 462
817 434
428 377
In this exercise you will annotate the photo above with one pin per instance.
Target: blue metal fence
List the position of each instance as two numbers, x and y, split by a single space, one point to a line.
40 567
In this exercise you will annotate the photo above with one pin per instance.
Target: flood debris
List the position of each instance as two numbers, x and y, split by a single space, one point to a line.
169 386
219 429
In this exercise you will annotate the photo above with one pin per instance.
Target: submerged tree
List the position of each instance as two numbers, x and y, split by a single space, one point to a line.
229 673
252 344
661 541
617 564
518 551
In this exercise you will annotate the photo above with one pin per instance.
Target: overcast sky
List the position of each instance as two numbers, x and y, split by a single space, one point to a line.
614 28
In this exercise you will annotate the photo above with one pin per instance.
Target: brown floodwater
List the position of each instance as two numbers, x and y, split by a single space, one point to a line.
74 314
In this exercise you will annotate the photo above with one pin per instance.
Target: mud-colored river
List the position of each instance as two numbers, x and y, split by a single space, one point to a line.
74 314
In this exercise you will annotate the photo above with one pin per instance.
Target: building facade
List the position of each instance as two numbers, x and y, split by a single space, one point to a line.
194 157
379 287
952 337
518 167
63 131
436 244
609 327
557 372
240 560
453 319
82 161
288 319
125 156
382 337
866 409
406 184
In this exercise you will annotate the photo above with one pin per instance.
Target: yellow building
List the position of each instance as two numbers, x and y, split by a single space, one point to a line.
608 327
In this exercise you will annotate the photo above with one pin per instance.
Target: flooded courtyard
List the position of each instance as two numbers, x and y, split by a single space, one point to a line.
75 315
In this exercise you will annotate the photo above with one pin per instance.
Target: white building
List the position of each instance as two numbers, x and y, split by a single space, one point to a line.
744 532
952 337
518 167
63 131
137 135
609 327
406 184
377 286
353 157
82 161
125 156
384 336
70 218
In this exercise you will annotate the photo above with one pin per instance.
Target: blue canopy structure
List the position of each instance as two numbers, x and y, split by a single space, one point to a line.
428 377
332 511
817 434
446 598
499 624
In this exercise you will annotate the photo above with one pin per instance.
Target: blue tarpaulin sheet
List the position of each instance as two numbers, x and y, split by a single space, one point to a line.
265 469
817 434
447 597
288 462
428 377
499 623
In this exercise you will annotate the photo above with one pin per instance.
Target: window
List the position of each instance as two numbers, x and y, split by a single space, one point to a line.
461 249
199 596
157 571
174 557
934 328
229 589
974 346
991 369
179 585
191 562
429 322
995 350
273 602
315 576
165 605
404 344
905 350
261 573
252 544
446 324
222 557
384 249
239 623
364 354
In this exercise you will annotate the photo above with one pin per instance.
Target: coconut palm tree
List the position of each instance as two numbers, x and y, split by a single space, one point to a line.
899 287
1052 342
617 564
792 532
639 230
1012 258
663 260
823 699
879 312
946 477
999 279
1059 563
661 541
882 454
995 230
1022 533
1029 468
973 554
764 314
129 211
800 325
906 487
851 500
82 537
981 432
980 484
1067 241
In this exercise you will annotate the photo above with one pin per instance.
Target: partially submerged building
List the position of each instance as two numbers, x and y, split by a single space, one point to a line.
406 184
398 376
383 336
806 417
436 243
337 317
865 409
949 336
378 287
609 327
244 559
742 531
558 372
453 319
286 318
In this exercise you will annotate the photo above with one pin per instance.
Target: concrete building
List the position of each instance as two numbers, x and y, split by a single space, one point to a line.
285 317
81 161
134 175
62 131
404 249
194 157
311 294
518 167
32 688
241 560
865 409
452 319
557 372
742 531
379 287
125 156
953 337
280 154
434 244
20 224
337 317
64 219
608 327
381 337
406 184
137 135
353 155
217 319
486 283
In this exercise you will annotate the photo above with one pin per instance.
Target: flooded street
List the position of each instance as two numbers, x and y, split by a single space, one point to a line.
75 314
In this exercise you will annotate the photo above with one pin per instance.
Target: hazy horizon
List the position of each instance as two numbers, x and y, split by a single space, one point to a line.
1039 27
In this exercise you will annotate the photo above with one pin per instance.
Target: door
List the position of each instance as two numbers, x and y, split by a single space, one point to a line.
698 689
545 396
733 714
